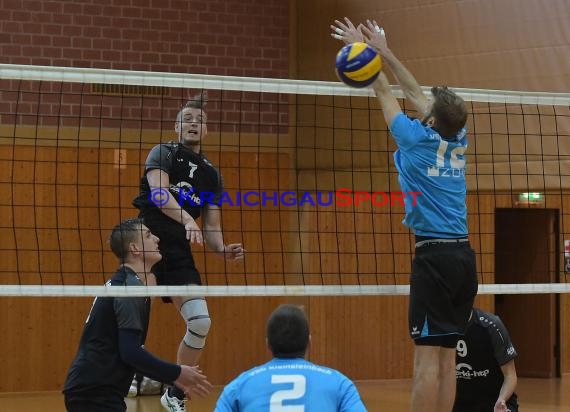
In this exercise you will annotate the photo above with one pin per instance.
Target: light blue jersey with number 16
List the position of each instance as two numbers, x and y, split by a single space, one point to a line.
434 167
290 385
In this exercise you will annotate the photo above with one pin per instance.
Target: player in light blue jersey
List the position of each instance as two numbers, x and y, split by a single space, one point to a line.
435 167
288 381
430 160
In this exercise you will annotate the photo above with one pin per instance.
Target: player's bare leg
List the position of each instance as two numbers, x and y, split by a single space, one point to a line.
186 355
425 390
447 379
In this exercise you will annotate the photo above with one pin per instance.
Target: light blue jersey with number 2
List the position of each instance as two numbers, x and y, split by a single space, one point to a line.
290 385
435 167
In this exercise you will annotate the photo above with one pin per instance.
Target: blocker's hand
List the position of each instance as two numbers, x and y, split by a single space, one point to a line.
346 32
234 251
375 36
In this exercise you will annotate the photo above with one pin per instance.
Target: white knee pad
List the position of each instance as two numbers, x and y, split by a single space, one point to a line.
195 312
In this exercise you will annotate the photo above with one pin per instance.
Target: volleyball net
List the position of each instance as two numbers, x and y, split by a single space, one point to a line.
310 187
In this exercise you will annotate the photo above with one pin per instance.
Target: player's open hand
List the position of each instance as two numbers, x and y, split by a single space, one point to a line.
346 32
234 251
193 232
374 36
192 380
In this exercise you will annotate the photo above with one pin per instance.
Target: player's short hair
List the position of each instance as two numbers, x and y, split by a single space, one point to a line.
288 332
449 110
123 234
197 101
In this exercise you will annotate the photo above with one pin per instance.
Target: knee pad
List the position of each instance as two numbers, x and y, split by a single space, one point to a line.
195 312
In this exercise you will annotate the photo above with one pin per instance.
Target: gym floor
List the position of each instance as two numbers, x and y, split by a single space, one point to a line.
535 395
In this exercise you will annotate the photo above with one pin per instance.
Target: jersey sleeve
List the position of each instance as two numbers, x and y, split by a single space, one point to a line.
407 132
160 157
219 189
503 348
228 402
215 182
129 313
350 401
134 354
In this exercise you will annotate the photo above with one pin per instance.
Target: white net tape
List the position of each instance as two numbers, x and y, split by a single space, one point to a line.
285 290
252 84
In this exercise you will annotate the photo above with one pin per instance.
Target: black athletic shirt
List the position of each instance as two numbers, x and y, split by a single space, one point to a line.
98 369
479 356
189 173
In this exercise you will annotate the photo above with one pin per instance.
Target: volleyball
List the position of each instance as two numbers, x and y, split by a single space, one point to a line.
358 65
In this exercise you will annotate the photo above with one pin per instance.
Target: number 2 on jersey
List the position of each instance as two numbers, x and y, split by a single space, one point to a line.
297 391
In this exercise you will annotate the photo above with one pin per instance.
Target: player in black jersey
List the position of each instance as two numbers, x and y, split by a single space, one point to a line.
486 374
111 346
179 185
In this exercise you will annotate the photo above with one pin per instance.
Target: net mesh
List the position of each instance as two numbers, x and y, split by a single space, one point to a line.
310 186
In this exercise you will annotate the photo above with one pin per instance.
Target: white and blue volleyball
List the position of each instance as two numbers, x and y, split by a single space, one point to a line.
358 65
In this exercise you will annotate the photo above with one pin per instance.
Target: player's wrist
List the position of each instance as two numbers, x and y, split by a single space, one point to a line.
186 218
388 57
179 367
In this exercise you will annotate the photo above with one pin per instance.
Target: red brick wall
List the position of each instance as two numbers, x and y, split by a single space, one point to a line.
223 37
228 37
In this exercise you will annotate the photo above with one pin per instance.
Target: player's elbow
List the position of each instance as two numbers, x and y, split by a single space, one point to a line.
129 355
130 349
510 377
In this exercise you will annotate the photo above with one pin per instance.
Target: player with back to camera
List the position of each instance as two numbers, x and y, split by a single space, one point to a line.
111 346
430 160
288 381
486 372
178 186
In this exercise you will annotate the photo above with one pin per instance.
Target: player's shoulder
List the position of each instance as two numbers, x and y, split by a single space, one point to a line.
325 372
119 278
408 131
165 148
125 277
171 144
487 320
246 376
408 121
333 378
207 161
484 317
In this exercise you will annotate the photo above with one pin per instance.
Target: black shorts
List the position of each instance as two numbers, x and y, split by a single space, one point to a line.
512 406
177 266
78 403
443 286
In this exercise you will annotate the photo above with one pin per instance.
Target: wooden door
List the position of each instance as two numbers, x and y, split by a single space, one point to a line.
525 252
